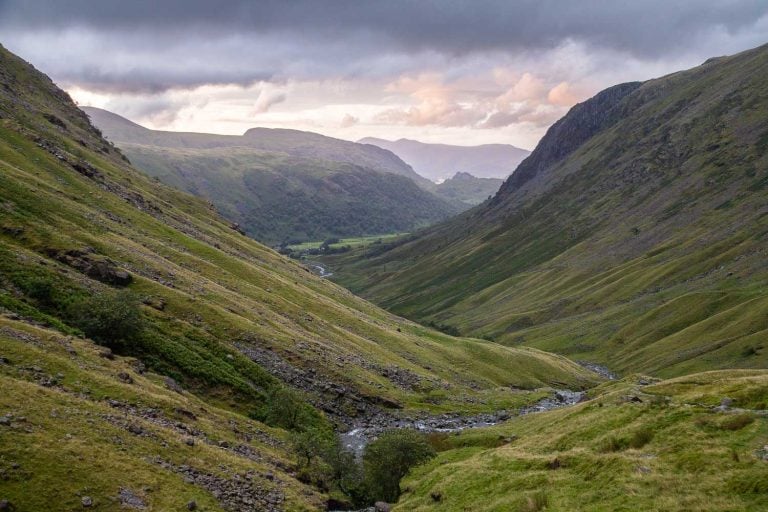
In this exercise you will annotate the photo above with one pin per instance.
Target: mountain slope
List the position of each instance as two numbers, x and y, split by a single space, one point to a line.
282 185
100 430
635 234
441 161
223 327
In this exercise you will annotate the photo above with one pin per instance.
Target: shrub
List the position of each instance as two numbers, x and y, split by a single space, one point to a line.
613 444
737 422
313 447
110 318
641 438
389 458
347 473
41 289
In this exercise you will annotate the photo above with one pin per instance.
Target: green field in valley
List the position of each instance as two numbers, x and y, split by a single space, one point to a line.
360 241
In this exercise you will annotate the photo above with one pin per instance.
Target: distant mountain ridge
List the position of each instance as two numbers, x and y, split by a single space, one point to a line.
441 161
293 142
286 185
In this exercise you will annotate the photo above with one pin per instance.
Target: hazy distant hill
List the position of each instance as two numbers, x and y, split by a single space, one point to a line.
285 184
441 161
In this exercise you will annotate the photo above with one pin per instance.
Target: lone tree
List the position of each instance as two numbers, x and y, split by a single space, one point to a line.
389 458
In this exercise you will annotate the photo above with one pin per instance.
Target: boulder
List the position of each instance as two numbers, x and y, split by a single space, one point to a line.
99 268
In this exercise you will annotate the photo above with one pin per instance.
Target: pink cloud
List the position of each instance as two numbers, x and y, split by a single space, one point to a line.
563 95
498 100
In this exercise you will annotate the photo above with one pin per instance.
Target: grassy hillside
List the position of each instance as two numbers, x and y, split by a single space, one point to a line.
91 249
79 426
634 446
286 185
634 235
441 161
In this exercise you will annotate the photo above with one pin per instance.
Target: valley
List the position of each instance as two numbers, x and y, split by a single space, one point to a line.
287 321
202 336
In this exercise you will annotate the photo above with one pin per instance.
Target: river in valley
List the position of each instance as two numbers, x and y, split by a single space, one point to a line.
356 438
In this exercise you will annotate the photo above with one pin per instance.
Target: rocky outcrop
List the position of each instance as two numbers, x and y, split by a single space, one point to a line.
96 267
581 123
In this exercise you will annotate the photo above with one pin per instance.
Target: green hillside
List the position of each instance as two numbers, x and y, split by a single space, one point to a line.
634 235
286 185
211 330
637 445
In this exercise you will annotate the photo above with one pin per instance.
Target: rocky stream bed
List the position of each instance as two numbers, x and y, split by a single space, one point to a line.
356 438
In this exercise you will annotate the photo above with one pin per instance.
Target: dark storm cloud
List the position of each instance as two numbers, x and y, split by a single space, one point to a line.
647 27
155 45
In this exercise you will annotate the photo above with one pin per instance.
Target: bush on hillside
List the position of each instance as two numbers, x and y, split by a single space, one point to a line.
389 458
111 318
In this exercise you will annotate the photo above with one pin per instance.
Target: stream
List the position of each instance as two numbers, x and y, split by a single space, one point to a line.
318 268
361 434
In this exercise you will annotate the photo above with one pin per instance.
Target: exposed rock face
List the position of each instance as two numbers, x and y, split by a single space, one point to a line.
581 123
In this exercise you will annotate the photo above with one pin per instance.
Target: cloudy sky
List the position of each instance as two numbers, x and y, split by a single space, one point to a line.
453 71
